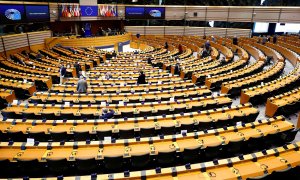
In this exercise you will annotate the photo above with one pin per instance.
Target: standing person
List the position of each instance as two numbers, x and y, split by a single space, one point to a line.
207 45
275 39
166 45
235 40
177 69
62 73
77 68
82 85
141 78
264 40
180 49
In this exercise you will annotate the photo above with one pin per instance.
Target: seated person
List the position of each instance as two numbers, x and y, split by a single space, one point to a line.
108 75
107 114
141 78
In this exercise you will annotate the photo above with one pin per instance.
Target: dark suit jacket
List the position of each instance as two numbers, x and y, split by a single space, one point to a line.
108 115
141 79
235 41
63 71
82 86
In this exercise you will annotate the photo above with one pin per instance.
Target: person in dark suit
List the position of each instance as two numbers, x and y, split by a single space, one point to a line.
235 40
114 54
141 78
82 85
177 69
107 114
207 45
166 45
275 39
180 49
77 68
62 73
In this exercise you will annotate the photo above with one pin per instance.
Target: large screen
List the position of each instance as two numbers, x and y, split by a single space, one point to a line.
287 27
10 13
260 27
89 10
155 13
108 11
68 11
134 13
36 13
145 13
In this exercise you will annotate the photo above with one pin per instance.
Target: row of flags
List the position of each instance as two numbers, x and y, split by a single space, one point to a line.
68 11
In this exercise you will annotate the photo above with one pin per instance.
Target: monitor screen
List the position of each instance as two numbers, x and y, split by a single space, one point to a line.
12 13
134 13
89 10
108 11
37 13
260 27
155 13
287 27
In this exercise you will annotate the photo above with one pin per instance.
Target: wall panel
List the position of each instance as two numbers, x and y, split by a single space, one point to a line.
197 31
175 12
266 14
217 13
15 41
38 37
237 14
1 45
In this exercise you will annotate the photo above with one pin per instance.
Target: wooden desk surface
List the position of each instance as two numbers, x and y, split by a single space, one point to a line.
96 109
220 114
209 139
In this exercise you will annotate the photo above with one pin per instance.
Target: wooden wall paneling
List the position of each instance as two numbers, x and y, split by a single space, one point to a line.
135 29
217 13
53 7
155 30
238 32
38 37
121 11
175 12
291 14
238 14
15 41
200 13
174 30
266 14
197 31
215 32
1 45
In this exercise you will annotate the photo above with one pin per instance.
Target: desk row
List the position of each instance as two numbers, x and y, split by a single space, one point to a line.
286 103
249 137
234 87
19 110
126 88
114 98
280 162
58 130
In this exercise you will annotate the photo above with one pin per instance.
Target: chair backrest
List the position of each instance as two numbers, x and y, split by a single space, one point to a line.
166 157
140 160
113 162
81 136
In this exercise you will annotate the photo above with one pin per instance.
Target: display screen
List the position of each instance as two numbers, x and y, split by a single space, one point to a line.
155 13
134 12
108 11
287 27
89 10
260 27
68 11
37 13
10 14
